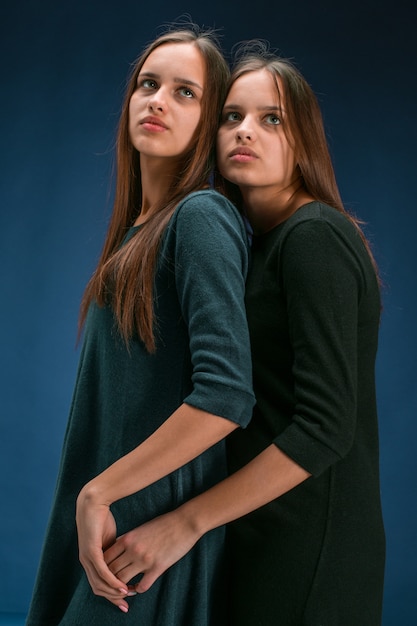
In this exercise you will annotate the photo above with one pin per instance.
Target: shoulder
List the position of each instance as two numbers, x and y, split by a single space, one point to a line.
319 215
312 227
317 224
206 204
319 241
206 216
205 223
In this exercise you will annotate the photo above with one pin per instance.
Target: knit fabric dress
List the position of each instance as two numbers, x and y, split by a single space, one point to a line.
315 556
121 397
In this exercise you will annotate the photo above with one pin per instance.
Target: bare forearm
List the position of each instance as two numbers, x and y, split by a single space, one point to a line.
187 433
268 476
153 547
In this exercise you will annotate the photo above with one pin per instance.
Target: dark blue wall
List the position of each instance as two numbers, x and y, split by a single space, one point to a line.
63 71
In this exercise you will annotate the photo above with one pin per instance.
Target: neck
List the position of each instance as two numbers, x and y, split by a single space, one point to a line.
266 208
157 176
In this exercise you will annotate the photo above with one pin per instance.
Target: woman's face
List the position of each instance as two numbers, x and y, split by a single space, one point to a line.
252 148
165 109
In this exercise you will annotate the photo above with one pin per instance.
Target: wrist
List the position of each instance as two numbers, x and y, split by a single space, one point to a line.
195 518
93 493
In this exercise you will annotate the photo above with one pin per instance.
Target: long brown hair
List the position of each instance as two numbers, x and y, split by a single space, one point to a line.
124 276
303 126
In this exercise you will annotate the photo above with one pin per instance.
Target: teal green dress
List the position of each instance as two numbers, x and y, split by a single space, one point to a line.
121 397
315 556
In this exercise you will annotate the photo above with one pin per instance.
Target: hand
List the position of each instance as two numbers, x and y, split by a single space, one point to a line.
96 529
151 549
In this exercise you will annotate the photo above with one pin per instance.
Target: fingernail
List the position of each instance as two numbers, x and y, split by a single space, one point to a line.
123 591
123 608
132 593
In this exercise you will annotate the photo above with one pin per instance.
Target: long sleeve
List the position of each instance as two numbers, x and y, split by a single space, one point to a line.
210 265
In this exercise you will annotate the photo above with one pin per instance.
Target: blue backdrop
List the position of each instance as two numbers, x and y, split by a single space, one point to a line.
64 66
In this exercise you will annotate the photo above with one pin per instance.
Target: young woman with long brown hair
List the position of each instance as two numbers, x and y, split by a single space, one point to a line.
306 540
165 371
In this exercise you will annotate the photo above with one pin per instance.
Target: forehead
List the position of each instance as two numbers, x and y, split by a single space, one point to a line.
179 59
256 85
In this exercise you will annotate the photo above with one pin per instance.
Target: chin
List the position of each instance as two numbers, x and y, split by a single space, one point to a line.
241 180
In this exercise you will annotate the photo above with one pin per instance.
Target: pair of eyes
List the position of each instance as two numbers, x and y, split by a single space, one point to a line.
183 90
186 92
234 116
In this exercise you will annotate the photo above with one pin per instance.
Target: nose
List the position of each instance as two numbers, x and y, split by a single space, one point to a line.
157 102
245 131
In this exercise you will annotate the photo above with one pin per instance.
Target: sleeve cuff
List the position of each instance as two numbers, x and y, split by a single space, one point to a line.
306 451
228 402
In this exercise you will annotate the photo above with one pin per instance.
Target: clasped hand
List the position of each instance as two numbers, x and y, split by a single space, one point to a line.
149 549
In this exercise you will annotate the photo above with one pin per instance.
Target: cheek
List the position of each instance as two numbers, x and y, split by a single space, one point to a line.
194 127
131 109
136 102
220 146
291 162
196 119
286 154
221 161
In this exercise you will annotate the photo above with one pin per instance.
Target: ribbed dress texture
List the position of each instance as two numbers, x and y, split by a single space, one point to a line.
121 397
315 556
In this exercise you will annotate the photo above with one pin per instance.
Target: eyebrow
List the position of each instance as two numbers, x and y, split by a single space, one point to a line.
177 79
264 108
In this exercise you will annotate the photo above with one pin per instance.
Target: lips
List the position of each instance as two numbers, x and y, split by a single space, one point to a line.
242 154
153 123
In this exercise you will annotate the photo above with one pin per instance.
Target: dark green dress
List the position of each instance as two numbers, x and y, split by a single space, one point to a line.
120 398
315 556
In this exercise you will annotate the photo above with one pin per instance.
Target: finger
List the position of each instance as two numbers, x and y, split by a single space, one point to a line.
106 575
119 602
112 585
112 553
118 563
102 580
148 580
128 572
116 597
123 568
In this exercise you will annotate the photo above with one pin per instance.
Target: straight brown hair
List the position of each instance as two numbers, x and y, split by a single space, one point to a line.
124 277
303 126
